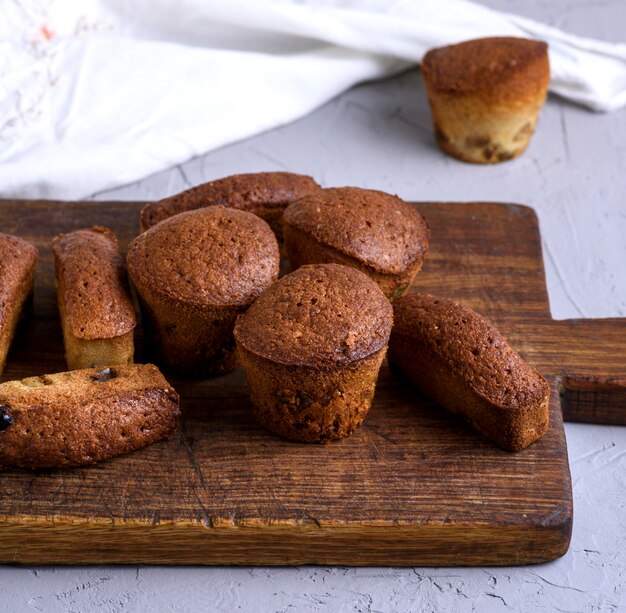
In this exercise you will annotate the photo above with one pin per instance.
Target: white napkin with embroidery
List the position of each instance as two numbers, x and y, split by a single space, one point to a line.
98 93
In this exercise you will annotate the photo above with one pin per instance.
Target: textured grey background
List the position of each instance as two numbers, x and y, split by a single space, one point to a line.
379 135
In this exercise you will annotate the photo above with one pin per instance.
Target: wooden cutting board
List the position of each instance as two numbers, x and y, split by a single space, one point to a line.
413 486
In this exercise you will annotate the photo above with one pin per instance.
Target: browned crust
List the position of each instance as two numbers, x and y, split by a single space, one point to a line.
265 194
85 416
502 68
311 405
211 257
303 249
17 272
459 358
92 286
376 229
485 96
319 316
194 273
97 313
311 347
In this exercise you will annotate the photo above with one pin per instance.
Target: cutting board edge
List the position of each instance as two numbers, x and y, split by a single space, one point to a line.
89 542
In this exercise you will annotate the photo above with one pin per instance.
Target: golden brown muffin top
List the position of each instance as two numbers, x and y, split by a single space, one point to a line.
214 256
471 346
320 315
17 259
377 229
92 284
482 63
252 192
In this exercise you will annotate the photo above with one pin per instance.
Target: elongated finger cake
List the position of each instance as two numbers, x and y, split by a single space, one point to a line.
459 359
17 272
97 314
265 194
84 416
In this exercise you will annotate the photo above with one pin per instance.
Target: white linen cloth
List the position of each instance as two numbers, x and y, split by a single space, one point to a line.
98 93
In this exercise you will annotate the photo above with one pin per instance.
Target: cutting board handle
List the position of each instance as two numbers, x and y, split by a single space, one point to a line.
595 400
589 358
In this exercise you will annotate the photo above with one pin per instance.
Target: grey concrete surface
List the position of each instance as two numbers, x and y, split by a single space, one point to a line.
379 135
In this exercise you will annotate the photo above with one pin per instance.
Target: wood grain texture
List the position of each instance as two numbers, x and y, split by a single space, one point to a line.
413 486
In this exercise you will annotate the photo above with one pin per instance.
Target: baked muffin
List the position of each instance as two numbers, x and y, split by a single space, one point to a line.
17 272
97 314
459 359
265 194
84 416
379 234
194 273
311 346
485 96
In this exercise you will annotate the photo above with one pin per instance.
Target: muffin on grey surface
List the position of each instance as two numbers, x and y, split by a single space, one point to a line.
459 359
17 273
194 273
485 96
311 346
377 233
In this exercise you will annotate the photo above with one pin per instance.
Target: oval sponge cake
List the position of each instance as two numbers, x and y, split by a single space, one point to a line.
311 346
377 233
17 273
459 359
265 194
485 96
97 314
194 273
84 416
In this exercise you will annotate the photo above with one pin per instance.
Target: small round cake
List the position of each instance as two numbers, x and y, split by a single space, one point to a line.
485 96
377 233
312 346
194 274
